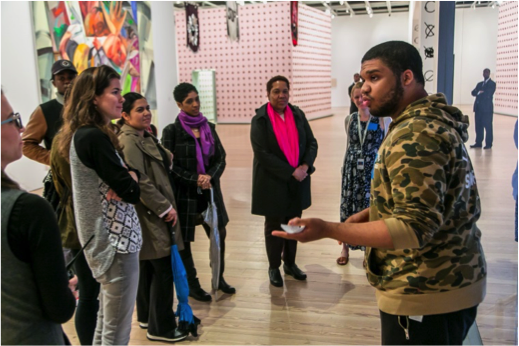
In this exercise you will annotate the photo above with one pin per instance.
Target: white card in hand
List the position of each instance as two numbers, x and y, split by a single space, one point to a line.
292 229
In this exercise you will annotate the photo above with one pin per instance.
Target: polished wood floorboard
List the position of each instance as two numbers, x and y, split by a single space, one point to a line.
336 305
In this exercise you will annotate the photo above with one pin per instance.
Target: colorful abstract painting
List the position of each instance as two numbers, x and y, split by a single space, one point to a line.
93 33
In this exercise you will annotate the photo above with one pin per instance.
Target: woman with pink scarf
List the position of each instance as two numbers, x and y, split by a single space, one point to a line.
198 164
284 153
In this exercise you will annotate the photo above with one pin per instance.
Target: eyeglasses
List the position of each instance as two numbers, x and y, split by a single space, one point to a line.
17 118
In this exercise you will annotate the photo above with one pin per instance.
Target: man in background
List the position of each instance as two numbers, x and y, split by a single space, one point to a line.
47 118
484 110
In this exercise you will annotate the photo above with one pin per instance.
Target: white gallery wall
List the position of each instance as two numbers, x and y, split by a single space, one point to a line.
352 37
20 81
475 48
475 45
165 56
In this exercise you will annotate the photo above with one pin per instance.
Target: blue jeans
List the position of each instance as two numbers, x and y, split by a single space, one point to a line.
117 300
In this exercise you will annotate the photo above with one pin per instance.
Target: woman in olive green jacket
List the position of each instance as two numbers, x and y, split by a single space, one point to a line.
158 218
85 318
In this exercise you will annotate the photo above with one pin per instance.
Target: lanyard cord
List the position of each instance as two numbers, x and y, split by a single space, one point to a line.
362 137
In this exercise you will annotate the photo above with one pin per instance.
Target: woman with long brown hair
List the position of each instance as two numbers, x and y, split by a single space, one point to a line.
35 294
104 189
85 317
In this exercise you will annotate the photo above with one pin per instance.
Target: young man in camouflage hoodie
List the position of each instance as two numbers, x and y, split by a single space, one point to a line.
424 254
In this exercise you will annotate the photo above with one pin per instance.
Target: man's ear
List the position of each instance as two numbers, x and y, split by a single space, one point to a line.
53 83
179 105
407 77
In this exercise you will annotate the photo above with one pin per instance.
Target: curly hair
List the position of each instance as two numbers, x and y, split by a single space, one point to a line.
272 80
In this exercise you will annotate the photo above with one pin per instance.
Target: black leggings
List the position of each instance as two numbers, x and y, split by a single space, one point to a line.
278 247
155 296
88 304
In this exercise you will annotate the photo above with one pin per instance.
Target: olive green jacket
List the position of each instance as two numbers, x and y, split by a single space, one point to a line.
142 153
63 182
425 190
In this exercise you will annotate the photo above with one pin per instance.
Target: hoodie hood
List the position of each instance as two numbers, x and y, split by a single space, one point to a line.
435 107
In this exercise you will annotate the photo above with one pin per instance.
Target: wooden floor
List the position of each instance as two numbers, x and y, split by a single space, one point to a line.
336 305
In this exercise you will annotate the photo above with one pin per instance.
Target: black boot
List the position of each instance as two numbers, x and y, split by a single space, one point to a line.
275 277
293 270
199 294
195 290
225 287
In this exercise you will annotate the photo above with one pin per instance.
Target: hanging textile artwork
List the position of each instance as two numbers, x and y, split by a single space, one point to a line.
192 27
293 21
425 39
233 29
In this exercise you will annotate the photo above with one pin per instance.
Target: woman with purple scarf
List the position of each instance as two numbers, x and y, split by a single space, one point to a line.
198 163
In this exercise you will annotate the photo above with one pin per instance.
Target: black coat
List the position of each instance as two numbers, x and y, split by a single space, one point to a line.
484 101
275 192
183 147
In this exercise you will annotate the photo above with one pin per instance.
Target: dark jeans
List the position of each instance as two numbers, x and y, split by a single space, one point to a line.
278 248
155 296
189 264
442 329
88 304
483 122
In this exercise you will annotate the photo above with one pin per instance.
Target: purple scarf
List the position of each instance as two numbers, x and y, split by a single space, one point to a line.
206 138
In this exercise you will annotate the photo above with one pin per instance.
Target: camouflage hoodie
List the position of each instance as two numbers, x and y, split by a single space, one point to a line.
425 190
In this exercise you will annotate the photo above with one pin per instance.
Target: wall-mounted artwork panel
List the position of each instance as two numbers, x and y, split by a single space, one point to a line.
93 33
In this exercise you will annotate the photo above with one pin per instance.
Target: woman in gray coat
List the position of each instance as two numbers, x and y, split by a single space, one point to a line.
158 218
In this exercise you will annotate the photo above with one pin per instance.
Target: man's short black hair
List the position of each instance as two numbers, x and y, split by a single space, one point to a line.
398 56
182 90
277 79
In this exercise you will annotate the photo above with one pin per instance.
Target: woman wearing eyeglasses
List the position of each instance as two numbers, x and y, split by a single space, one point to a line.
35 294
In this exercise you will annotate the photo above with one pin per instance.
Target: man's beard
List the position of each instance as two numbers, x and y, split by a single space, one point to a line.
390 104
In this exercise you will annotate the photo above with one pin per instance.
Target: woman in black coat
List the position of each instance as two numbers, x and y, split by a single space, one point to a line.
284 153
198 163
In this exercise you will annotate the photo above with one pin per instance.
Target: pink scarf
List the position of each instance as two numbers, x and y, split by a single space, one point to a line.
286 134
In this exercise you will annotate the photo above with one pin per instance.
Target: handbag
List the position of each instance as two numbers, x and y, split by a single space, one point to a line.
49 191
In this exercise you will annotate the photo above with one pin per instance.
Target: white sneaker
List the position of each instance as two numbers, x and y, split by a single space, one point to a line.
172 337
143 325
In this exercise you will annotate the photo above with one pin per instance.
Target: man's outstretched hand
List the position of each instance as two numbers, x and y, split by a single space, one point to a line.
314 230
